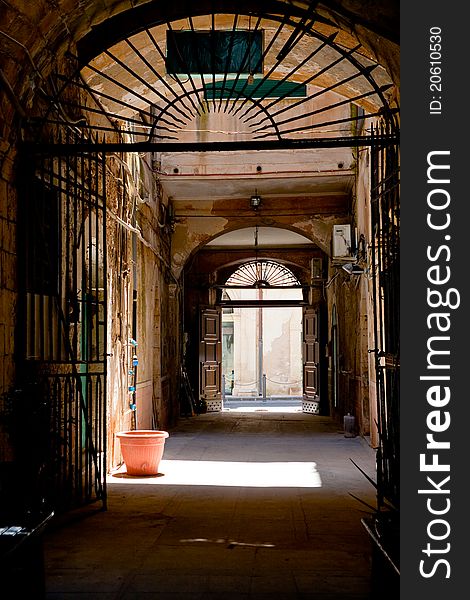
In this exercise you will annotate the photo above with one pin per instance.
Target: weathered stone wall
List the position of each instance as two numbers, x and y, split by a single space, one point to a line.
158 309
346 293
140 306
353 297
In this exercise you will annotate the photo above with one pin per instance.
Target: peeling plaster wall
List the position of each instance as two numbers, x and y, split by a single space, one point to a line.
141 263
158 324
190 234
193 233
305 191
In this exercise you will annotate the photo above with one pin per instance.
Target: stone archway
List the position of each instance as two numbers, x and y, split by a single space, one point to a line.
189 238
210 270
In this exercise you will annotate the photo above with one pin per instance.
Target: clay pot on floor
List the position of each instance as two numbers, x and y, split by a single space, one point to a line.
142 450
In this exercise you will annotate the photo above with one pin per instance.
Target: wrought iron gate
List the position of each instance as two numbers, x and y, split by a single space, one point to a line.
63 333
385 216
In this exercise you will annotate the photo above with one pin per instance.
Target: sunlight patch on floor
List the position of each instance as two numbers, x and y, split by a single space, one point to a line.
271 409
225 473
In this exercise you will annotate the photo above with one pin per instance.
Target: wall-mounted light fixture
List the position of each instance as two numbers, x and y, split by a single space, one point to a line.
255 201
353 269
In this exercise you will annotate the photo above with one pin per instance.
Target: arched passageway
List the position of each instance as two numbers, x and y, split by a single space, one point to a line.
256 269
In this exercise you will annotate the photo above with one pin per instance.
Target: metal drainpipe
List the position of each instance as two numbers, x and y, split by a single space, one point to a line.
134 306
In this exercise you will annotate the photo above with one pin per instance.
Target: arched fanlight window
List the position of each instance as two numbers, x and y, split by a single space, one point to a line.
263 274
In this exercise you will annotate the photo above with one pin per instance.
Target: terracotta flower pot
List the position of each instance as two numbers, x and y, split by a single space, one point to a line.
142 450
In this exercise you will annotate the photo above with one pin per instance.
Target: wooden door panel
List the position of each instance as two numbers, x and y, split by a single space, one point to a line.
210 358
210 326
311 353
210 376
310 324
311 358
209 352
310 382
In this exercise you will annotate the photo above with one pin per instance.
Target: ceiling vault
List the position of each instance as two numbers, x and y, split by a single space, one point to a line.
231 81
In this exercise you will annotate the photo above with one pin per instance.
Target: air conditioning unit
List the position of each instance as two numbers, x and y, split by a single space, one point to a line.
341 242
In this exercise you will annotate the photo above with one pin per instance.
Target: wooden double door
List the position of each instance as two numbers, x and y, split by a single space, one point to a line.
210 359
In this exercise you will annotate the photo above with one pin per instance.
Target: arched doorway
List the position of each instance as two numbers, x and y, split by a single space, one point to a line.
265 280
262 356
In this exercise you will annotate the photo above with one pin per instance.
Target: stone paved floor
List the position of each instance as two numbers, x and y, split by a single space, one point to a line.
248 506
